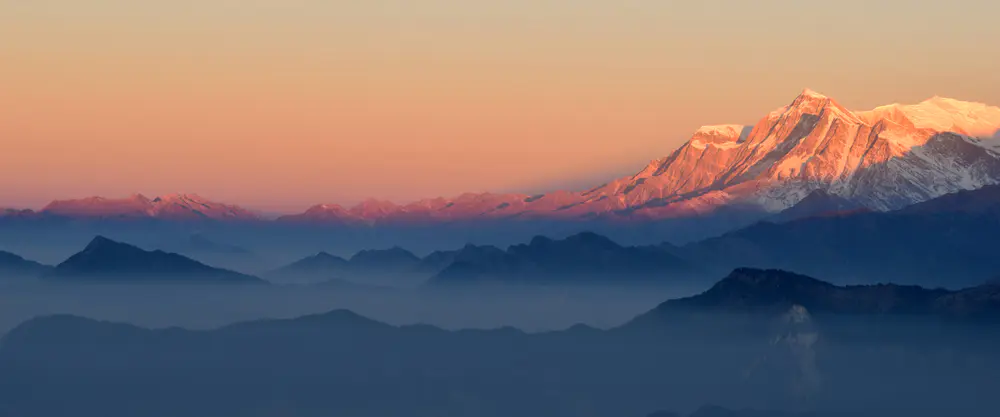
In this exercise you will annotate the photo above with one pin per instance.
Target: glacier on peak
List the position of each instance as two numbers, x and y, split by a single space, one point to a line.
728 131
942 115
812 94
883 159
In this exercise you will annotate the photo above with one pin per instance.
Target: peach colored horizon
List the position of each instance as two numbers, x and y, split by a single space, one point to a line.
280 104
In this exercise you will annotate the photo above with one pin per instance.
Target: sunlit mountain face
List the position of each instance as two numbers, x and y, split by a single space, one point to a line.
170 207
881 159
885 158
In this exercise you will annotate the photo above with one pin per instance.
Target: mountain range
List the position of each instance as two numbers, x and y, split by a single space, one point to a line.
760 338
363 266
942 242
208 250
583 258
184 207
945 241
105 260
578 259
881 159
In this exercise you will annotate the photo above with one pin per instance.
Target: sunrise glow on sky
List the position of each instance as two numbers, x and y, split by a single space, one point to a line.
280 104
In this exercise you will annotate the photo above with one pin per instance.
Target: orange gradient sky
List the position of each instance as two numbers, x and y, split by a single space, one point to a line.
279 104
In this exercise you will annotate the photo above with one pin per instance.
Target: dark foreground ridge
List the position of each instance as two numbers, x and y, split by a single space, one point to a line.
878 348
107 260
748 290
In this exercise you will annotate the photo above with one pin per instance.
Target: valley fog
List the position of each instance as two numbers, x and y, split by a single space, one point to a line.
207 306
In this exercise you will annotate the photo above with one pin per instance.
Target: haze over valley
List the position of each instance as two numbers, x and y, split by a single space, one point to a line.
900 243
530 208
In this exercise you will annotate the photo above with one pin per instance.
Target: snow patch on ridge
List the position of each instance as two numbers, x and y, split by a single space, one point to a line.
944 115
697 144
720 130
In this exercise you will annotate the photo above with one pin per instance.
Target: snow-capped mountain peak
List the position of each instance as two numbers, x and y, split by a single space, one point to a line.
880 159
171 206
720 136
942 115
883 158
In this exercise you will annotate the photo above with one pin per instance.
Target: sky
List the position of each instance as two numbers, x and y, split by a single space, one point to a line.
281 104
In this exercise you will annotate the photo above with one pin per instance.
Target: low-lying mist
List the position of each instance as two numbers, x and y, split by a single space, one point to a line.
202 306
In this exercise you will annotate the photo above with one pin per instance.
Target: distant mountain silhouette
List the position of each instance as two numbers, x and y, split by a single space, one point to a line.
11 213
436 262
947 242
107 260
319 267
366 265
870 361
748 290
394 259
14 266
209 251
581 258
477 263
817 203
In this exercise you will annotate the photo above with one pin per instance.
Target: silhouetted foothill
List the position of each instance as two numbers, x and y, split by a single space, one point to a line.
392 259
578 259
748 290
107 260
14 266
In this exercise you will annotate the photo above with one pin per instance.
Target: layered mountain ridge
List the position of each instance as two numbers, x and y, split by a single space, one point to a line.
945 241
882 159
757 338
